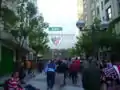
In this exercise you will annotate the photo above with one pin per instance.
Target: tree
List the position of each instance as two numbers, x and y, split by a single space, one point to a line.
27 23
103 39
5 10
38 36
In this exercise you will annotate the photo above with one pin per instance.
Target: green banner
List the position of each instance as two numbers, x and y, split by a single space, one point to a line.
55 28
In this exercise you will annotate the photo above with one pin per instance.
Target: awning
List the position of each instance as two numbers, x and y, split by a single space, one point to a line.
7 38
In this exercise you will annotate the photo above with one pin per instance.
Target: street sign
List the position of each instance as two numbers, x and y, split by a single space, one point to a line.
55 28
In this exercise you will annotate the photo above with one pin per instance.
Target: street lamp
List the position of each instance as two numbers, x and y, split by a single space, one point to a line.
103 26
81 24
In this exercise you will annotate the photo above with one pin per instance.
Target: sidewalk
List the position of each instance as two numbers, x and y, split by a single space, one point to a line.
40 82
4 78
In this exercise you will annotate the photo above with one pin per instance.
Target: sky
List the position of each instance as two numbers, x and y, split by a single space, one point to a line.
60 13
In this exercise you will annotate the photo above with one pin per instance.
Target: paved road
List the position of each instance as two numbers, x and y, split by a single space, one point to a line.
40 82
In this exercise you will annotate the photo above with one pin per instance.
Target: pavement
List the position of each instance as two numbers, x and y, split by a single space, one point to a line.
40 82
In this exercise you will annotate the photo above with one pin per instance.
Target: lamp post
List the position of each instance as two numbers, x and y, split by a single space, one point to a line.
103 26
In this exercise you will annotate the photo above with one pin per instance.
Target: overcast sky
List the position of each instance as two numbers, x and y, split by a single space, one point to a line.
60 13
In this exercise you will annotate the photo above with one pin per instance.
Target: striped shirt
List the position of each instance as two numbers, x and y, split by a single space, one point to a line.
13 83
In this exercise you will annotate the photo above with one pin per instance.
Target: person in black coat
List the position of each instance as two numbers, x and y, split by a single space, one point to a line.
62 69
91 77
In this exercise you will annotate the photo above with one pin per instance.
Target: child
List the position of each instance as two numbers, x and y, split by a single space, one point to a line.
13 83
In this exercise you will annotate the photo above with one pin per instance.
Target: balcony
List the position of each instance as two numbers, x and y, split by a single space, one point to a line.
8 39
7 36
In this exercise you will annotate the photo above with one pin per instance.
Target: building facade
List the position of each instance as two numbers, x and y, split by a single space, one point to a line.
80 9
105 10
8 44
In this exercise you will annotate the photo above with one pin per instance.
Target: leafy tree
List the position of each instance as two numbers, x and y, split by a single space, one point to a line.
38 36
72 52
5 10
102 39
26 23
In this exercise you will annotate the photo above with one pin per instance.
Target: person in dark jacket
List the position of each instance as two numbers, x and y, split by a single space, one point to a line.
40 66
60 75
91 77
65 65
22 73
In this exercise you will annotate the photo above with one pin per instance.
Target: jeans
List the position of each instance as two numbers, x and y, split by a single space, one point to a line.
50 79
74 77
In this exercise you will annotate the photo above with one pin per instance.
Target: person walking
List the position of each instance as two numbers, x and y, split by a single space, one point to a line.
111 74
50 71
65 67
74 69
60 74
91 77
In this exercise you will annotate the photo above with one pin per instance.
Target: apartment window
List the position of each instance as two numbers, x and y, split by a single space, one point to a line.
108 13
103 18
93 13
86 18
98 11
106 1
102 5
118 6
84 1
85 6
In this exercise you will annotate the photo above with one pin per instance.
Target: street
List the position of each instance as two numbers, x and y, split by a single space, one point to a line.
40 82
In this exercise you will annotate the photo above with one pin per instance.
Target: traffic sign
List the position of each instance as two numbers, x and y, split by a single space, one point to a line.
55 28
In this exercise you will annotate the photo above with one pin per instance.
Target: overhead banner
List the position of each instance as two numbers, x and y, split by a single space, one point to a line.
56 40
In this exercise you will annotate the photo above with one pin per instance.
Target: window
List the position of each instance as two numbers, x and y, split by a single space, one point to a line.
85 6
106 1
118 6
102 5
84 2
93 13
103 18
86 18
98 11
108 13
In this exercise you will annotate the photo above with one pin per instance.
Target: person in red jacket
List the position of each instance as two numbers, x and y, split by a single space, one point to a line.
74 69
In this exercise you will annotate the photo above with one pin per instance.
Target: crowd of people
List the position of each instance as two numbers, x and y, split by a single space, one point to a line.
110 73
58 71
104 75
